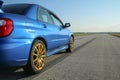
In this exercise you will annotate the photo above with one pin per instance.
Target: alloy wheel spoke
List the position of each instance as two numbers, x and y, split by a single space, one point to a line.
40 63
43 56
72 44
43 52
35 60
40 47
36 50
34 54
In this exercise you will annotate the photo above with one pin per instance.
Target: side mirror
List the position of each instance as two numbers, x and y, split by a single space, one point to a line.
67 25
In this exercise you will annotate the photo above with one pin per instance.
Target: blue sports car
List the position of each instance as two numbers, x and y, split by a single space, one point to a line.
29 33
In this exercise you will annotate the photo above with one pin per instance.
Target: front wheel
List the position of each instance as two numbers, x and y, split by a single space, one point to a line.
37 58
71 45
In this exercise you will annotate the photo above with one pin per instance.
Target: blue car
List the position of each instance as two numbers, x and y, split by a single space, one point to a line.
29 33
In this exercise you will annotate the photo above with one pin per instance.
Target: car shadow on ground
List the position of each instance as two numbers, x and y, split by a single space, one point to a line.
15 73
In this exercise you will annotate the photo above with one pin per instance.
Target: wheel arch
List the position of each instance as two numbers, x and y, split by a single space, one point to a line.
71 35
38 38
42 39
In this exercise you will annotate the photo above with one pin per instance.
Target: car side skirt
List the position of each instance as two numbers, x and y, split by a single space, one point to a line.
56 50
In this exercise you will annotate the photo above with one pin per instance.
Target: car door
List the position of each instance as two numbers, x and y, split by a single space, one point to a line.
49 30
63 33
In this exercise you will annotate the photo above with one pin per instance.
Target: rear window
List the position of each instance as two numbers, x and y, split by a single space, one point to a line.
16 8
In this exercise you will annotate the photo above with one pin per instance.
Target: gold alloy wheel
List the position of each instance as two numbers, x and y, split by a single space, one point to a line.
39 56
71 44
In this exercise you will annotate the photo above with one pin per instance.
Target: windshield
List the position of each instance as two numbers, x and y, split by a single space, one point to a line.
15 8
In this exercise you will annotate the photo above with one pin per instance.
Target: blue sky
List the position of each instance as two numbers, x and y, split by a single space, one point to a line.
84 15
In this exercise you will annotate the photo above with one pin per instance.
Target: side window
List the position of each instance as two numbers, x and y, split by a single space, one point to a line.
44 16
56 21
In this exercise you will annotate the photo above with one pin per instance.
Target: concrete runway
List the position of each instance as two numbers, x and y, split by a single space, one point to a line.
96 57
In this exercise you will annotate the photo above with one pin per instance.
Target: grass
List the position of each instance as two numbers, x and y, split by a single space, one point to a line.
117 35
81 34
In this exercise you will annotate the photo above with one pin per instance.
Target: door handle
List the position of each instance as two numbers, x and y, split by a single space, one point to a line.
44 26
60 28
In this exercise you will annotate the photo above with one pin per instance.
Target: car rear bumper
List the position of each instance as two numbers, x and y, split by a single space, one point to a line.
14 53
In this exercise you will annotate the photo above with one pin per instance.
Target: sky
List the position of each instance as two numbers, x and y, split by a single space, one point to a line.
84 15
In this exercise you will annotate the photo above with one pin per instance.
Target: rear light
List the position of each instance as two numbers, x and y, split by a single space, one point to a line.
6 27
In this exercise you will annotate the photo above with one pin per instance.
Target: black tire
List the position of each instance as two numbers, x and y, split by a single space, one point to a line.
70 45
37 58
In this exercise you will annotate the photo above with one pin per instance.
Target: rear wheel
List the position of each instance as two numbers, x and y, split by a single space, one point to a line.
37 58
71 45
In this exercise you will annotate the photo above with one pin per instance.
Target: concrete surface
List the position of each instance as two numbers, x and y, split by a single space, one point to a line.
96 57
